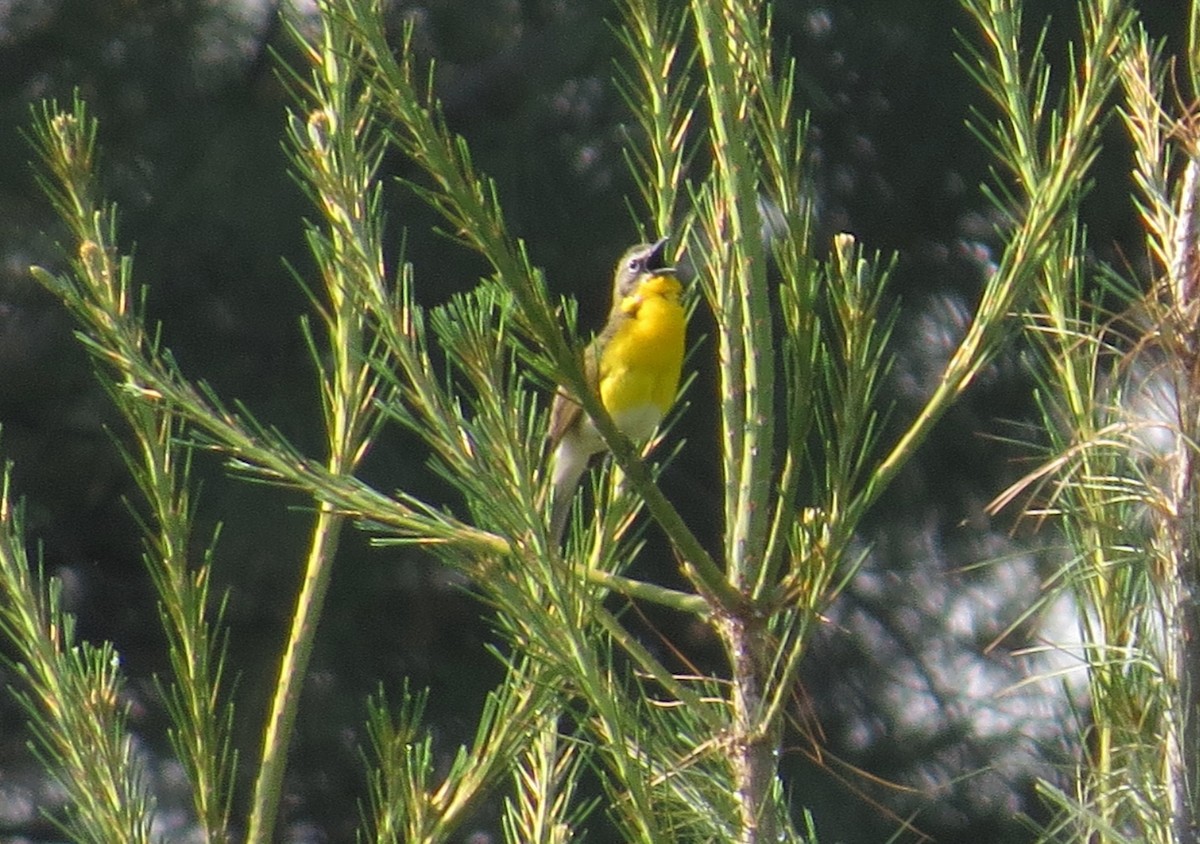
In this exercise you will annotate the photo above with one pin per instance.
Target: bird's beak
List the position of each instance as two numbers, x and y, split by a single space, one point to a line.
656 260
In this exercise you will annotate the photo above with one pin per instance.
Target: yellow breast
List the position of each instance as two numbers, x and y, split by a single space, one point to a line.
641 363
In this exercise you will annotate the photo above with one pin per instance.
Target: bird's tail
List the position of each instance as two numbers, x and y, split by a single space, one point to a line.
569 465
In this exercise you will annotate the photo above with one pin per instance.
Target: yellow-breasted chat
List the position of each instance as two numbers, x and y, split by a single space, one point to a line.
633 364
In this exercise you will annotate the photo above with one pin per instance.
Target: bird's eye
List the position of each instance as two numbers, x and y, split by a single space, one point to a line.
635 264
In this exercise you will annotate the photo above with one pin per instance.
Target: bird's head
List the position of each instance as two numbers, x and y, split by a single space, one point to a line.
637 262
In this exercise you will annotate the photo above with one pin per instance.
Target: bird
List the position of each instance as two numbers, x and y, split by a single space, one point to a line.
634 364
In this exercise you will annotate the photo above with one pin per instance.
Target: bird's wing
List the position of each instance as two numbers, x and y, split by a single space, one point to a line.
566 408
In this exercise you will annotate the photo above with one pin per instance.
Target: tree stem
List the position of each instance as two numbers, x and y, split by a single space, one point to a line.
754 743
293 668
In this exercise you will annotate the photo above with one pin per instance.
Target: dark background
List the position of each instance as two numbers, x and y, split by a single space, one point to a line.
900 681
